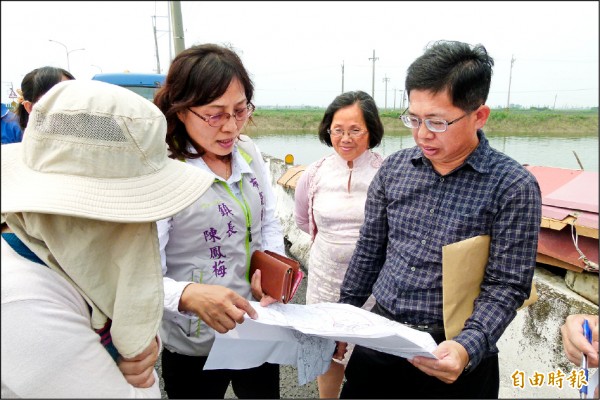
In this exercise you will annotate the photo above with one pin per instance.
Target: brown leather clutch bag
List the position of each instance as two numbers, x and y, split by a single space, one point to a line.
280 275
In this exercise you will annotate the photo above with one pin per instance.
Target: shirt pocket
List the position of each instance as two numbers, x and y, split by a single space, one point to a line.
191 326
462 226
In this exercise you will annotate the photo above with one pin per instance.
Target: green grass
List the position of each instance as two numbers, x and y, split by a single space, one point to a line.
507 121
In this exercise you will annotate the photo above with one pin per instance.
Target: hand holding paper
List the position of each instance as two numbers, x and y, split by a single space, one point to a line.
305 335
452 359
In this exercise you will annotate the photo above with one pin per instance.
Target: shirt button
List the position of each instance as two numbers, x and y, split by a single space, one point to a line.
432 211
413 269
423 241
442 179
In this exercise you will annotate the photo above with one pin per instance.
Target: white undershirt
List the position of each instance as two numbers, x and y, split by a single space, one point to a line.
48 346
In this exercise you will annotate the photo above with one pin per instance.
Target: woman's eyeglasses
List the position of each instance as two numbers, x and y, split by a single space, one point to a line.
353 133
218 120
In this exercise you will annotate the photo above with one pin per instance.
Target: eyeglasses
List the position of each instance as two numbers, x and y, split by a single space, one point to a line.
433 124
217 121
353 133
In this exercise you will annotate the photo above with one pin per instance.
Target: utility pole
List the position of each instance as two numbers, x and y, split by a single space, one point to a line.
402 106
554 106
156 44
393 109
373 81
178 39
386 80
342 76
170 35
512 61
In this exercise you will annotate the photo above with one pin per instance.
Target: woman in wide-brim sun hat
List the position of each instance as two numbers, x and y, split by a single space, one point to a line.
82 292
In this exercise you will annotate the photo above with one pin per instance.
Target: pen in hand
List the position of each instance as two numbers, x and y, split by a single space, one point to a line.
588 335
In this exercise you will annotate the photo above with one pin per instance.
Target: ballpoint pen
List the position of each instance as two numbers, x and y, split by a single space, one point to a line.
588 335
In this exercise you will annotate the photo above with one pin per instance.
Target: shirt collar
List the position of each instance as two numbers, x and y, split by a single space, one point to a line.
239 165
358 162
480 158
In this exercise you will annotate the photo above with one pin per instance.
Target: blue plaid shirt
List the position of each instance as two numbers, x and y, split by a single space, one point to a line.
412 211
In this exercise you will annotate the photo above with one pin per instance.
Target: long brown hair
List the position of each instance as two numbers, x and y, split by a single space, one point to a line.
197 76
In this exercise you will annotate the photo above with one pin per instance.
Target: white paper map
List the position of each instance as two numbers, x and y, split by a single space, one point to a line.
304 336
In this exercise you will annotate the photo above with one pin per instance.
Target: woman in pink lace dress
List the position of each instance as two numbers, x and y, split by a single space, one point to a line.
330 200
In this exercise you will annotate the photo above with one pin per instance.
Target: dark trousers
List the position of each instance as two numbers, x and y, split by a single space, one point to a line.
376 375
185 379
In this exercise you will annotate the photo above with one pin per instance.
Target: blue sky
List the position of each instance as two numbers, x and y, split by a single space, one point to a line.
294 51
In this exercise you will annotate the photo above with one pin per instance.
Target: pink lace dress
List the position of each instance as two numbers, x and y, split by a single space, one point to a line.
330 202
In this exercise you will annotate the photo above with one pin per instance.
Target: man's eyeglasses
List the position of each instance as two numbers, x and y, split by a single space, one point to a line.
217 121
433 124
353 133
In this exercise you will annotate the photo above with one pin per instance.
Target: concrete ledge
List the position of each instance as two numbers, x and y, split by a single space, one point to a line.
584 283
532 343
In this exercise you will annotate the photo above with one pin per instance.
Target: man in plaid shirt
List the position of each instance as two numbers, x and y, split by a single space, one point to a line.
450 187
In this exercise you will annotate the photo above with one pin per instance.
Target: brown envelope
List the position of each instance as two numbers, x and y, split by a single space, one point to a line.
463 268
280 275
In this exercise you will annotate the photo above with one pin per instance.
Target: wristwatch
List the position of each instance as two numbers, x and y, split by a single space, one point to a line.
468 368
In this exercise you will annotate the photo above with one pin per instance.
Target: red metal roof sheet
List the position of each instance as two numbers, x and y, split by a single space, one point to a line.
560 245
568 193
551 178
566 188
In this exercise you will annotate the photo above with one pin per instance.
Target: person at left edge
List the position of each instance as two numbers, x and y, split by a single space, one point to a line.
206 248
82 292
33 86
11 131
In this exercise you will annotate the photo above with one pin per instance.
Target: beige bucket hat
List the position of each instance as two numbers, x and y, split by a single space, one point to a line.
114 170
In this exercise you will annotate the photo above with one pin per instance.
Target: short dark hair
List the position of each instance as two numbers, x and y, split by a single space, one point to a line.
35 84
370 114
464 70
197 76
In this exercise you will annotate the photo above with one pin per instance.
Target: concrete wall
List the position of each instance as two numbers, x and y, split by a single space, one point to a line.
531 344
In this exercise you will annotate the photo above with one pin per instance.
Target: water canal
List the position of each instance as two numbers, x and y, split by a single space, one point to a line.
553 150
